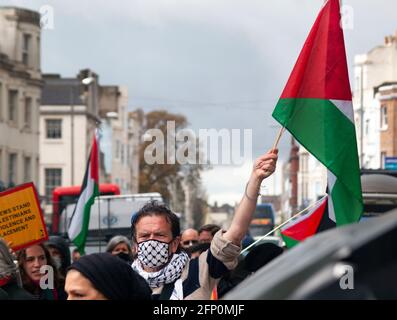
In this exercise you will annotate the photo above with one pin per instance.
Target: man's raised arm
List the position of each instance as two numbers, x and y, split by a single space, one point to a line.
264 166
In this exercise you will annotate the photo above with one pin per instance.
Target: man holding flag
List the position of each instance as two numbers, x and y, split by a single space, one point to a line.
79 222
316 108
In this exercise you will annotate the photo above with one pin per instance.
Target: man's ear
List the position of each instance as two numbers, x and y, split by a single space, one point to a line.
134 245
175 244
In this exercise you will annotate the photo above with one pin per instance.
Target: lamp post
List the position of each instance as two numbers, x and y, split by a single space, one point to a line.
361 65
72 135
91 93
86 81
361 115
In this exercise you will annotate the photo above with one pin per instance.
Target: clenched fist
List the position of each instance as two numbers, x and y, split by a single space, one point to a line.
265 165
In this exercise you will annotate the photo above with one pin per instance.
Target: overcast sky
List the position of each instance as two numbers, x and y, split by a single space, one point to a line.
222 63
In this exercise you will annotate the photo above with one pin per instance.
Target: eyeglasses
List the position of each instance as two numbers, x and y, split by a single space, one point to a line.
189 242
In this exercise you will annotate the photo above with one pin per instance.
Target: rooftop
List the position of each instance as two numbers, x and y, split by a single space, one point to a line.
61 91
22 14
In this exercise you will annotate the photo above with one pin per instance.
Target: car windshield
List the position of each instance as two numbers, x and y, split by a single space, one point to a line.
263 212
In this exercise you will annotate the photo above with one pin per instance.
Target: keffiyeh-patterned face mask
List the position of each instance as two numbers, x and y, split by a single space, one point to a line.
153 253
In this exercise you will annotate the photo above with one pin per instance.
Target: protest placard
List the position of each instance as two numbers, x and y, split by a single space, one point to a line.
21 218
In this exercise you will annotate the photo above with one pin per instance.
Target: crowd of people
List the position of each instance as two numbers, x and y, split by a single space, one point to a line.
159 262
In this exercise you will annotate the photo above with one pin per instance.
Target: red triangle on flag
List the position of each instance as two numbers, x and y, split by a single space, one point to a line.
321 69
306 225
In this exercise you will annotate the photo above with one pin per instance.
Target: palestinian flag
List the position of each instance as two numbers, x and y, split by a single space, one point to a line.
78 227
308 224
316 108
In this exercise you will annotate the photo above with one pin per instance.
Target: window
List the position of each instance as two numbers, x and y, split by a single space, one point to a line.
117 149
304 192
382 159
26 49
122 153
127 160
304 162
28 113
36 176
54 128
383 117
12 105
12 169
53 179
27 172
38 53
367 127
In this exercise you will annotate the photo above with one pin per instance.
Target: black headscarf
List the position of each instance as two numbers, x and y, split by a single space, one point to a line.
111 276
62 246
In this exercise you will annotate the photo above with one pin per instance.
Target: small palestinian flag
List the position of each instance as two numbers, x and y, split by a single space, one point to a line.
307 225
78 228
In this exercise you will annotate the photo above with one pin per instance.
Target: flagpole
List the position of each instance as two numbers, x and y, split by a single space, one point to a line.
99 221
99 187
280 133
284 223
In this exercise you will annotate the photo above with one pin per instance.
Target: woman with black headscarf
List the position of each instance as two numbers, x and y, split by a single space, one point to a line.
101 276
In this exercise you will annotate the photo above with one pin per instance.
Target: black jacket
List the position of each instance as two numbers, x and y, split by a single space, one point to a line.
11 291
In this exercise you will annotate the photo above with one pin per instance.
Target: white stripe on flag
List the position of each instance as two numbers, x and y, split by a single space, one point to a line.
331 183
78 217
346 107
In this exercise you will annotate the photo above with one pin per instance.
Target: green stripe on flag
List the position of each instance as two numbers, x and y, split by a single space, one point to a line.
345 201
81 238
319 126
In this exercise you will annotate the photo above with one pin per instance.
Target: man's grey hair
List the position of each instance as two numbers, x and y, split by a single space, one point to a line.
117 240
7 265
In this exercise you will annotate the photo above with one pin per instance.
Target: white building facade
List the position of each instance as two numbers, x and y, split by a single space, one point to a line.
71 110
67 125
120 139
371 70
312 179
20 92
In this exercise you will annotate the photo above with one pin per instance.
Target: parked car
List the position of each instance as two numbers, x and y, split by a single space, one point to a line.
379 188
314 269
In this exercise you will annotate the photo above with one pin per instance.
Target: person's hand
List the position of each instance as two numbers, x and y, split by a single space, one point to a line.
265 165
12 252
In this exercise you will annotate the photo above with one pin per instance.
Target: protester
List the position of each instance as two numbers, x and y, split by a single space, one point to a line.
169 272
120 246
75 255
248 240
10 280
102 276
30 261
60 254
207 232
197 249
257 257
189 237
